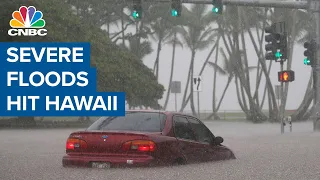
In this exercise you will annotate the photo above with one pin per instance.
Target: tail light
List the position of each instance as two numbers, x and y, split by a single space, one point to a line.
139 145
75 144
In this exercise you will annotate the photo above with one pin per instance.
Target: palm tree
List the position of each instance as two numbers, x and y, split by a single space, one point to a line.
140 51
225 70
125 22
204 65
233 37
197 35
174 41
230 29
97 12
305 30
162 26
229 69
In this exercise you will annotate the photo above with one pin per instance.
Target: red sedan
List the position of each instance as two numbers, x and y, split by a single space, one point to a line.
144 138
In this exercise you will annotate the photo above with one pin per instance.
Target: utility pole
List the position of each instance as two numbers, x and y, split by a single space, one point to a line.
316 68
282 89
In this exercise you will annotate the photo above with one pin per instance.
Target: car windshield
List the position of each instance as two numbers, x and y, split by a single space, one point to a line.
132 121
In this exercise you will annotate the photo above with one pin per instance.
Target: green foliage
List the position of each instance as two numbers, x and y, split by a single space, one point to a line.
117 69
198 32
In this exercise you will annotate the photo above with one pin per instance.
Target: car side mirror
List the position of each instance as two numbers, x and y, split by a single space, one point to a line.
218 140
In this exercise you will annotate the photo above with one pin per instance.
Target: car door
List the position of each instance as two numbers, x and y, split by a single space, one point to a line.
210 151
204 137
188 145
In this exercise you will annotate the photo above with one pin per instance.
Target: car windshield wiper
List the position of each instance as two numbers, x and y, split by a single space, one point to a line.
106 122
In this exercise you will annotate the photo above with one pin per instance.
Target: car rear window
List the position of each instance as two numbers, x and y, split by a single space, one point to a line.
132 121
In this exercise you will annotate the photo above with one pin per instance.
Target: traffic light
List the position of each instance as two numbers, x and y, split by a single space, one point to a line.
176 7
310 52
286 76
283 46
217 6
137 9
272 46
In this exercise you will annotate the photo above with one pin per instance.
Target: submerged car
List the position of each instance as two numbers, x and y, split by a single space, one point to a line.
144 138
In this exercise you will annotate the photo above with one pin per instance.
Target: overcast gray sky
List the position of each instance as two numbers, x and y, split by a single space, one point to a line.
230 102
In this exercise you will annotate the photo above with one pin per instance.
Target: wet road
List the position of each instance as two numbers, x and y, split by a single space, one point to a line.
263 154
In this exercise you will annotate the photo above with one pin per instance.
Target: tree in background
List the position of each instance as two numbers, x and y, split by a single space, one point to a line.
117 69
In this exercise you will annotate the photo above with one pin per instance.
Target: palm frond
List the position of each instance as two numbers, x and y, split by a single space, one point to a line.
172 40
205 43
217 68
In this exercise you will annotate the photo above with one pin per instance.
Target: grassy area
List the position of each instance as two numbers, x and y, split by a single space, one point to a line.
234 115
224 115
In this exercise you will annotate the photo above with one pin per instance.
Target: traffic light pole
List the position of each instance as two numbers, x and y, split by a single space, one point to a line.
281 97
316 72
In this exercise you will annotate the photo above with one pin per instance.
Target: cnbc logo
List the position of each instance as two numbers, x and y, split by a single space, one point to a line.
27 22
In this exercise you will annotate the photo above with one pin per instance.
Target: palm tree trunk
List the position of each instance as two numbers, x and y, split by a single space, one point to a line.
156 63
244 109
255 112
253 107
122 28
229 49
259 72
272 117
184 101
265 71
138 38
259 116
302 109
265 88
226 44
193 53
215 46
263 97
171 71
263 64
224 91
214 110
247 75
214 113
256 94
243 96
154 67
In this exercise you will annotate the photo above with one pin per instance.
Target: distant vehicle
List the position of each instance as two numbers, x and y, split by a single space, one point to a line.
144 138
